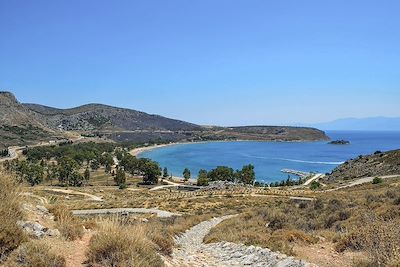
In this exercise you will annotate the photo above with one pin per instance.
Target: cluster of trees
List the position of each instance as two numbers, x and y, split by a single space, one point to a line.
150 170
66 162
66 171
222 173
83 152
287 182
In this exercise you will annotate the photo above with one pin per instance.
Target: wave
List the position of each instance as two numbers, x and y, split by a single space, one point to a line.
298 160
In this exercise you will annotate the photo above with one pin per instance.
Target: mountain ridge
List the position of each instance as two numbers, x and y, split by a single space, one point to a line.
122 124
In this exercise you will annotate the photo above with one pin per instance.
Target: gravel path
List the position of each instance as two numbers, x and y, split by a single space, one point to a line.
193 252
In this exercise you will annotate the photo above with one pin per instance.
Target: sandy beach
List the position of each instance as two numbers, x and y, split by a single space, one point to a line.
136 151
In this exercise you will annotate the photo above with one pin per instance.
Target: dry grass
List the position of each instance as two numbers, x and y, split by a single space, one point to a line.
69 226
338 217
116 245
378 237
36 253
10 234
260 228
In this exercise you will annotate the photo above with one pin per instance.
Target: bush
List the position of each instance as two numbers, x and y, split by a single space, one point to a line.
315 185
36 253
377 180
11 236
70 227
381 240
123 186
116 245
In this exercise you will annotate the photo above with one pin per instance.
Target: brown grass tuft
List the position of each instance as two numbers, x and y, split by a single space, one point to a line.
35 253
117 245
70 227
10 234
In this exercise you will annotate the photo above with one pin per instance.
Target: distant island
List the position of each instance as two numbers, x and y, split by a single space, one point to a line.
360 124
339 142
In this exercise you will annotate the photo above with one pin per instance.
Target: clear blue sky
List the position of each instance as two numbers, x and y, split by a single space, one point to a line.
210 61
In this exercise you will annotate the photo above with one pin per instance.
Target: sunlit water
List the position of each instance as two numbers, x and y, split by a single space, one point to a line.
269 158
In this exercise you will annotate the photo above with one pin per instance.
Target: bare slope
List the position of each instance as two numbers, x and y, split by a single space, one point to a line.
378 164
18 124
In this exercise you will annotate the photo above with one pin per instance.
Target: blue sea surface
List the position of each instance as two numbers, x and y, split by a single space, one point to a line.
269 158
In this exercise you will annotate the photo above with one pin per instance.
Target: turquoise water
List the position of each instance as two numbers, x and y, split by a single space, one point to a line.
269 158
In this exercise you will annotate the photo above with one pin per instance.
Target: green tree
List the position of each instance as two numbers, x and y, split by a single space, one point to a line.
186 174
94 164
67 171
86 175
120 177
151 171
222 173
202 179
35 174
51 173
108 161
247 174
165 172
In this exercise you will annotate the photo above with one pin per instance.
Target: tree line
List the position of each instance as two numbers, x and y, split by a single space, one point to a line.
70 164
221 173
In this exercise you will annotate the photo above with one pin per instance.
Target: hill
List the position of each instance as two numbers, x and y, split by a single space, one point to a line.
364 124
23 124
19 125
378 164
102 117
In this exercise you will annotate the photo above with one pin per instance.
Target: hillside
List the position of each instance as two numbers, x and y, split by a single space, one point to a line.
23 124
102 117
378 164
18 124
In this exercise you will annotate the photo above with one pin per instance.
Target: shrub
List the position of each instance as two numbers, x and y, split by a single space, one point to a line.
315 185
381 240
377 180
70 227
123 186
36 253
116 245
11 236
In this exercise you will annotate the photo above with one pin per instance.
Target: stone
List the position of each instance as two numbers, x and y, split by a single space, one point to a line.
42 209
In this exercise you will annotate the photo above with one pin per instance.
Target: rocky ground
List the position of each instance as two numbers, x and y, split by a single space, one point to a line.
192 251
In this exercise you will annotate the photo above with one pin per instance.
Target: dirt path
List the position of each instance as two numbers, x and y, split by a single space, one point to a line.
361 181
94 212
193 252
43 200
72 192
76 251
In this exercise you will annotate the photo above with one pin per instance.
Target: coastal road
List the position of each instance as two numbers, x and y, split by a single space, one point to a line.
314 178
360 181
172 185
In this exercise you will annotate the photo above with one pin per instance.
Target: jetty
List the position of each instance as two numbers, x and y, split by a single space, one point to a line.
297 173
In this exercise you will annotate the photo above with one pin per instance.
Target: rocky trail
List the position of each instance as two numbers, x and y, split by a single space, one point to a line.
193 252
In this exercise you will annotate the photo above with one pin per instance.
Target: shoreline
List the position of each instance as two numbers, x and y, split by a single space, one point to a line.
139 150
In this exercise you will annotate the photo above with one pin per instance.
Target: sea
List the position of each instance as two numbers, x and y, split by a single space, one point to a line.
270 158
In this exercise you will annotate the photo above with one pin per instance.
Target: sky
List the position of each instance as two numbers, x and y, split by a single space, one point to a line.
211 62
